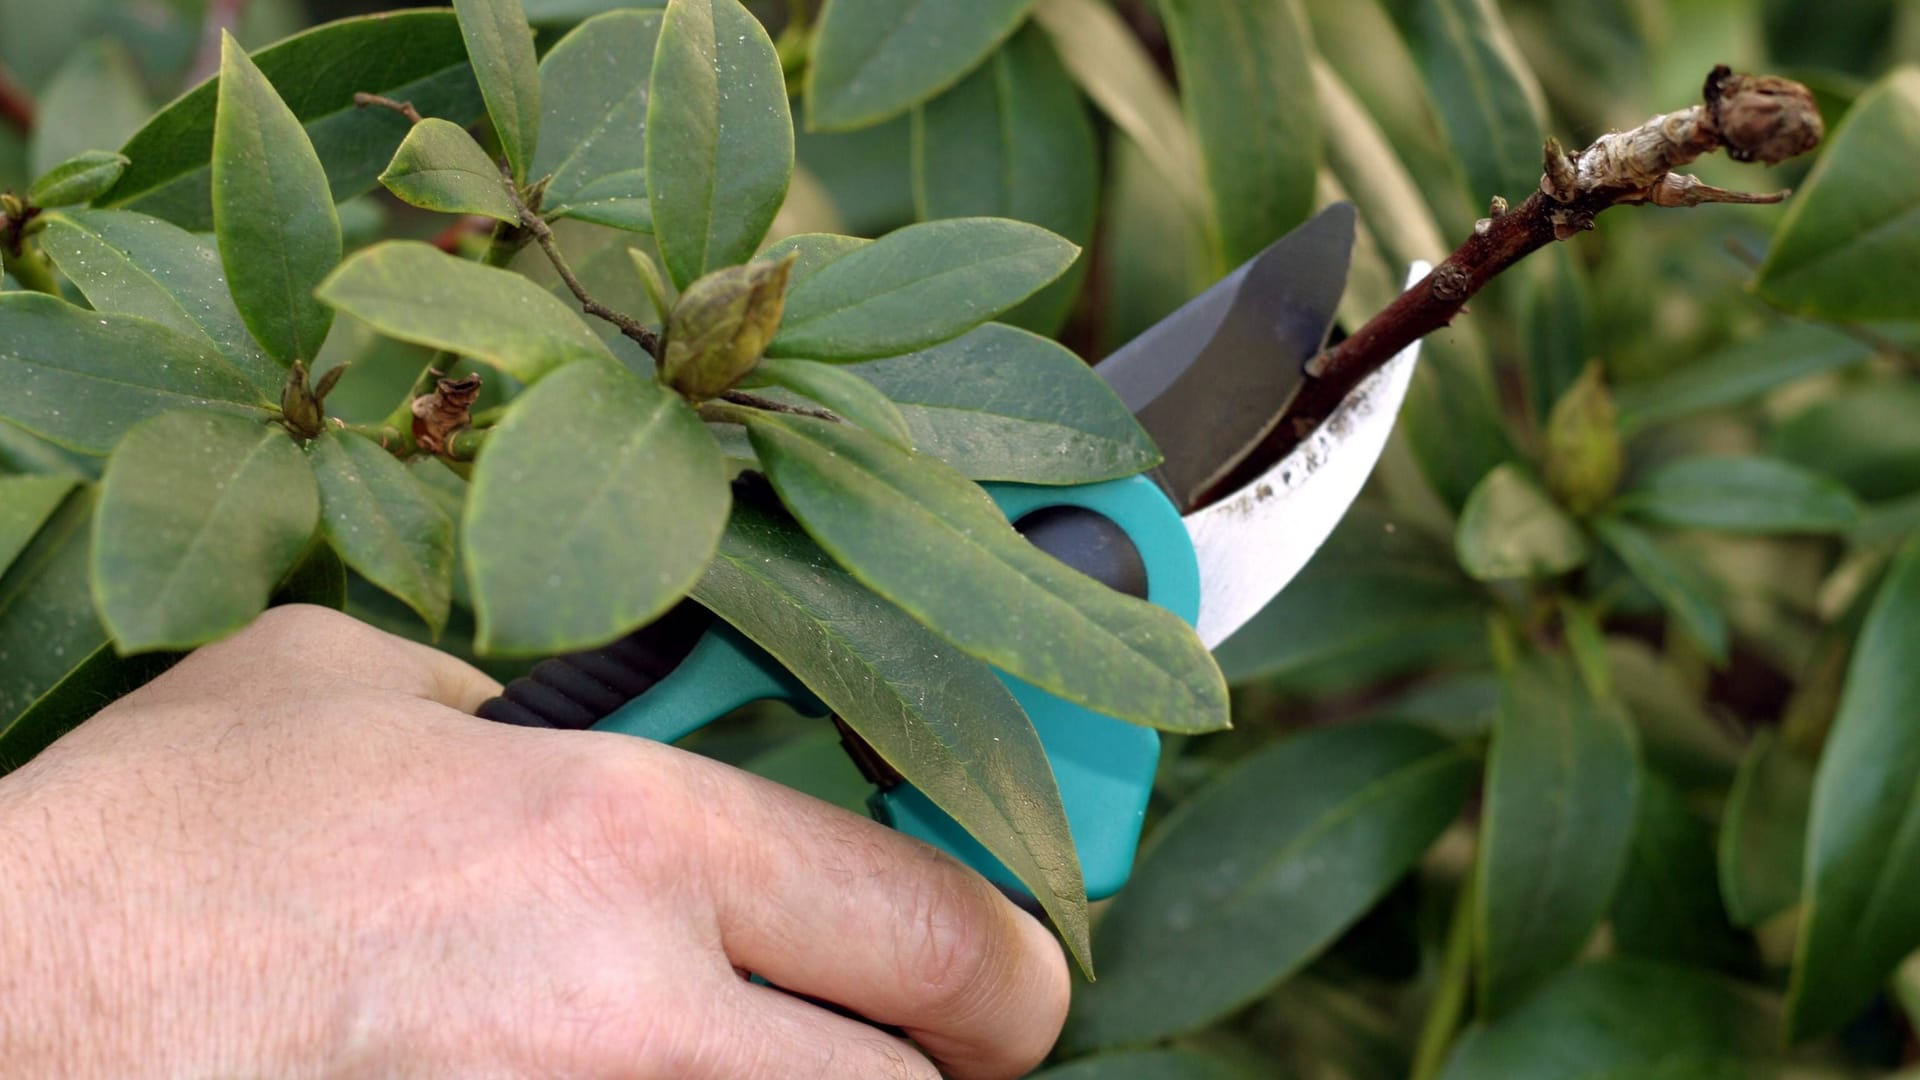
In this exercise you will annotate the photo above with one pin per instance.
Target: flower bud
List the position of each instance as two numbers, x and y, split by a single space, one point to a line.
299 408
1584 456
720 326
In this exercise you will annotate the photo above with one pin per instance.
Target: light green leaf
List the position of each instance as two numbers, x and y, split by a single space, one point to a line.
384 524
569 11
272 212
873 59
916 287
200 516
439 167
1668 905
1763 831
94 102
1860 434
26 502
1584 452
1013 140
1511 529
78 179
841 391
944 721
132 264
926 538
1849 245
418 293
1147 1065
47 624
1679 587
1741 494
1486 95
812 252
998 403
593 124
1561 786
1742 371
594 508
80 379
719 137
500 45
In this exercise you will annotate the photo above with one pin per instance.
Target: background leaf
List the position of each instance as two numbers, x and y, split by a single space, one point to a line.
1763 832
1746 369
26 502
1678 586
1668 905
593 126
1741 494
500 47
1485 93
1146 1065
875 58
94 102
384 524
47 624
841 391
1511 529
439 167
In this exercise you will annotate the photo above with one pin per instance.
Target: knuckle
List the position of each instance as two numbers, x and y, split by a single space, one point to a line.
603 816
951 954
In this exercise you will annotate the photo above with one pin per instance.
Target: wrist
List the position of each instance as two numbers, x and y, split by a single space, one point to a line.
32 1005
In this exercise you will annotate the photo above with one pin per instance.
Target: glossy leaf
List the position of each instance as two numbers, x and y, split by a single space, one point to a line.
924 537
415 292
1485 93
1763 831
873 59
811 252
1738 373
132 264
439 167
719 137
384 524
853 398
78 179
1250 878
1147 1065
1013 140
1668 906
47 623
1849 245
500 46
1511 529
1741 494
1555 834
1247 83
998 403
593 124
93 103
597 503
944 721
200 516
26 502
272 212
80 379
1679 587
916 287
412 56
1863 848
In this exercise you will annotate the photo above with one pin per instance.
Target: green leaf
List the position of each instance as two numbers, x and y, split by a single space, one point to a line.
79 179
815 764
1247 83
384 524
845 393
439 167
94 102
1251 877
412 56
719 155
418 293
1785 353
593 125
1849 245
916 287
1863 848
1668 905
131 264
943 721
96 682
812 251
1679 738
1511 529
998 403
1485 93
594 507
1763 831
272 212
1014 141
200 516
81 378
1147 1065
1560 795
568 11
1679 587
47 624
1860 435
926 538
873 59
1741 494
500 45
26 502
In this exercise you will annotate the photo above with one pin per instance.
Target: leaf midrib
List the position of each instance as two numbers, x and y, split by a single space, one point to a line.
873 297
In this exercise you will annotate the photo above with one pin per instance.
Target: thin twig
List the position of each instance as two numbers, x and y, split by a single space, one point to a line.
767 404
633 328
362 100
16 104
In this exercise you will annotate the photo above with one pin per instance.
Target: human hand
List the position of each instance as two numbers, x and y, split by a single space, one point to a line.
295 854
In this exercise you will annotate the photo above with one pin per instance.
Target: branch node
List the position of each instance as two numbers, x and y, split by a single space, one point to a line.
1681 189
1559 180
404 108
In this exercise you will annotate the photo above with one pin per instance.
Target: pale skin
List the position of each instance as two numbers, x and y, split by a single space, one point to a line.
297 855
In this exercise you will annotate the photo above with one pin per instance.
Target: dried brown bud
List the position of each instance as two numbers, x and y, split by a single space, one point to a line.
720 326
299 408
445 411
1763 117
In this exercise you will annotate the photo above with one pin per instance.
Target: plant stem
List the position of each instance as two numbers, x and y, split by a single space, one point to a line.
533 223
404 108
766 404
29 268
1450 995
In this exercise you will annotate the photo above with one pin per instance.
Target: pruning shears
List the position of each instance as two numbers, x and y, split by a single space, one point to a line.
1207 383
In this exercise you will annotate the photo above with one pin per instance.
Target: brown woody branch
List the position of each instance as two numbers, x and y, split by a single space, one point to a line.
635 330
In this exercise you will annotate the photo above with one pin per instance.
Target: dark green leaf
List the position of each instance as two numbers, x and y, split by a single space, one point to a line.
1668 905
618 201
272 212
94 102
1863 848
875 58
812 251
944 721
412 56
500 45
1763 832
853 398
868 173
1249 879
26 502
439 167
415 292
596 505
384 524
96 682
200 516
1554 317
593 147
1679 737
1485 93
1511 529
1453 417
1737 373
719 153
1861 435
47 624
1146 1065
1741 494
916 287
1679 587
567 11
815 764
1560 794
81 378
78 179
926 538
318 578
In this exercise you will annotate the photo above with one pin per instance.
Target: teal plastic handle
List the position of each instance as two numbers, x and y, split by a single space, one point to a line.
1104 767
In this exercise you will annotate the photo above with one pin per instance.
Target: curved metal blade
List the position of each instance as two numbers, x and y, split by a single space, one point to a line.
1252 543
1207 380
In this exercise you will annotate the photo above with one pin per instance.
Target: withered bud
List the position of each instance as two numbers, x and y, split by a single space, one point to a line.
448 409
1763 117
721 325
299 408
12 205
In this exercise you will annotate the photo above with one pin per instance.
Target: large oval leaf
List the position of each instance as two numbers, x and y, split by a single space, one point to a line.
875 58
441 168
593 128
384 524
1485 93
1763 831
939 718
200 516
928 539
1250 878
841 391
719 154
500 45
1512 529
594 507
1668 906
26 502
1741 494
47 622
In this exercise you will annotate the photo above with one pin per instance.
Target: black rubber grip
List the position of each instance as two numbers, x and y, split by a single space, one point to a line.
580 689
